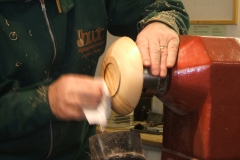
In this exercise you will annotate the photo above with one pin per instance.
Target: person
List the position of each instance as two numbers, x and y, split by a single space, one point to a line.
49 51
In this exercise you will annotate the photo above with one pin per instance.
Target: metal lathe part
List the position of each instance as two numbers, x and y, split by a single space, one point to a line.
153 85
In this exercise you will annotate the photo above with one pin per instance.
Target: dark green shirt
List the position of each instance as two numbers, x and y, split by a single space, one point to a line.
37 46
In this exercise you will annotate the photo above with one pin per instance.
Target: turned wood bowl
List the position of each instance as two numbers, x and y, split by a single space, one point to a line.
122 70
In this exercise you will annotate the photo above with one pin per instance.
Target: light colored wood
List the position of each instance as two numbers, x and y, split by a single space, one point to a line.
122 70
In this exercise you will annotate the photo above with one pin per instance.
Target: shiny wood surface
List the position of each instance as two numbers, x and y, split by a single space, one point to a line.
122 70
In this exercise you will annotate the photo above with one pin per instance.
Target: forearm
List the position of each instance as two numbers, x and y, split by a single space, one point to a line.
23 111
124 17
169 12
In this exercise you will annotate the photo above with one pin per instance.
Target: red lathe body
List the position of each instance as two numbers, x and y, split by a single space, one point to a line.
202 104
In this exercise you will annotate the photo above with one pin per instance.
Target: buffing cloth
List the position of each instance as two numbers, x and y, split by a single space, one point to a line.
102 112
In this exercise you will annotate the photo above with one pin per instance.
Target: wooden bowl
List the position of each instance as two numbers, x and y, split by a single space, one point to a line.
122 70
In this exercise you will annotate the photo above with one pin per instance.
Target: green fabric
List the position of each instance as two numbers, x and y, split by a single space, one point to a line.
170 12
29 64
66 5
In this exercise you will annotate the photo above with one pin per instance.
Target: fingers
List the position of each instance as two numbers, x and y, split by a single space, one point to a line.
89 93
71 93
172 52
75 113
143 48
158 45
163 58
155 56
168 56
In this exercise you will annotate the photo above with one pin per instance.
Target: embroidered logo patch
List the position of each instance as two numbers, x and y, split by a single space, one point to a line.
91 42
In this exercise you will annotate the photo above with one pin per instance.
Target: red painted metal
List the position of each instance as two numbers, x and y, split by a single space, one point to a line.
202 117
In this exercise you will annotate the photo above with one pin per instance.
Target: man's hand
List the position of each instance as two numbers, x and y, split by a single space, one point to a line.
71 92
158 45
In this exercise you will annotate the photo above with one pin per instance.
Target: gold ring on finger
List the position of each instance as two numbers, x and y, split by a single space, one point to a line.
163 47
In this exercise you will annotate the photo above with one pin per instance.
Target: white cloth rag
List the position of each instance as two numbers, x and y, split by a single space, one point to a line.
102 112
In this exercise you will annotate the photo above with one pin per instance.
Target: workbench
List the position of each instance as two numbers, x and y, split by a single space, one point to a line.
147 139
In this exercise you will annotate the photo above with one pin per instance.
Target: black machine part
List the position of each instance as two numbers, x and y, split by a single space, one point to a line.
154 85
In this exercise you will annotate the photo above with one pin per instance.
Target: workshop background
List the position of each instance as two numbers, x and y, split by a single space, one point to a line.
150 152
